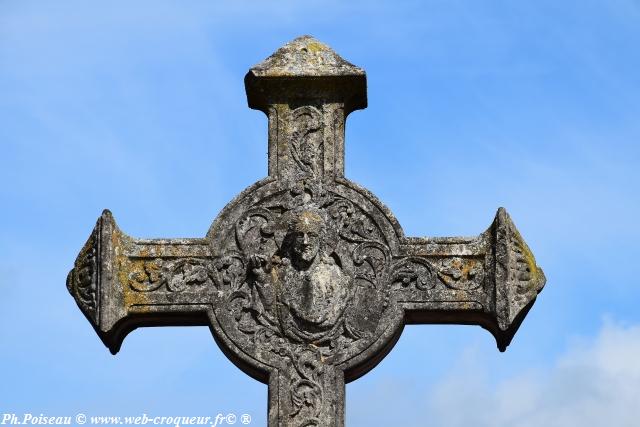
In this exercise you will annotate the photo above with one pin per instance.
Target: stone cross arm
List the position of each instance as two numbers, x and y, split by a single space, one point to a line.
491 280
121 283
305 279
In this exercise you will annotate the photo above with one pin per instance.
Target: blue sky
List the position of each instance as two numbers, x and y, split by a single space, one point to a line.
139 107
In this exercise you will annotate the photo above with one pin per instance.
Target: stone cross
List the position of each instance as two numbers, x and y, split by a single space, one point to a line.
305 279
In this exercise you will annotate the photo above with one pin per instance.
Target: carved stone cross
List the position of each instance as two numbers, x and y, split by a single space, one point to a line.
305 279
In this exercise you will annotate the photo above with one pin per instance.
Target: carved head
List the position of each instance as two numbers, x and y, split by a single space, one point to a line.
305 234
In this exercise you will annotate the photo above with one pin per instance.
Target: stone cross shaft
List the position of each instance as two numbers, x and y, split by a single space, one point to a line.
305 279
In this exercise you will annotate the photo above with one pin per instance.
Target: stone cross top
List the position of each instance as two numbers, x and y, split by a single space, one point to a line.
305 279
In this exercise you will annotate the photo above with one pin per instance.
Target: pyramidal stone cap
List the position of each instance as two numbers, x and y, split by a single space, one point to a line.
305 69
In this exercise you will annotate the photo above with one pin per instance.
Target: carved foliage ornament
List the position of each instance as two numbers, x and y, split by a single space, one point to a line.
170 275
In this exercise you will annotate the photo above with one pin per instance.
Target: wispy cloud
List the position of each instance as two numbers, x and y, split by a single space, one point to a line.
595 383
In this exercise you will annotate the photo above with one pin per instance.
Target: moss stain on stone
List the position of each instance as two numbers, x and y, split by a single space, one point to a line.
127 268
316 47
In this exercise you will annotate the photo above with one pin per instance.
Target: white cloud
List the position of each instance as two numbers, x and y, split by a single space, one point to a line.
595 383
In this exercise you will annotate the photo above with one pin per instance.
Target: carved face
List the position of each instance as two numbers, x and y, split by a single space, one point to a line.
306 236
306 246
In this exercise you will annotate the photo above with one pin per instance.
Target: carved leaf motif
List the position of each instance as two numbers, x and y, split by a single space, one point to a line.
188 273
176 276
240 303
145 276
352 224
305 151
255 231
306 390
413 273
231 271
371 260
83 279
523 271
461 273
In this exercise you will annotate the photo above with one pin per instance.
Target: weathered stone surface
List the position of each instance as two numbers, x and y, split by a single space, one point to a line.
305 278
305 57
